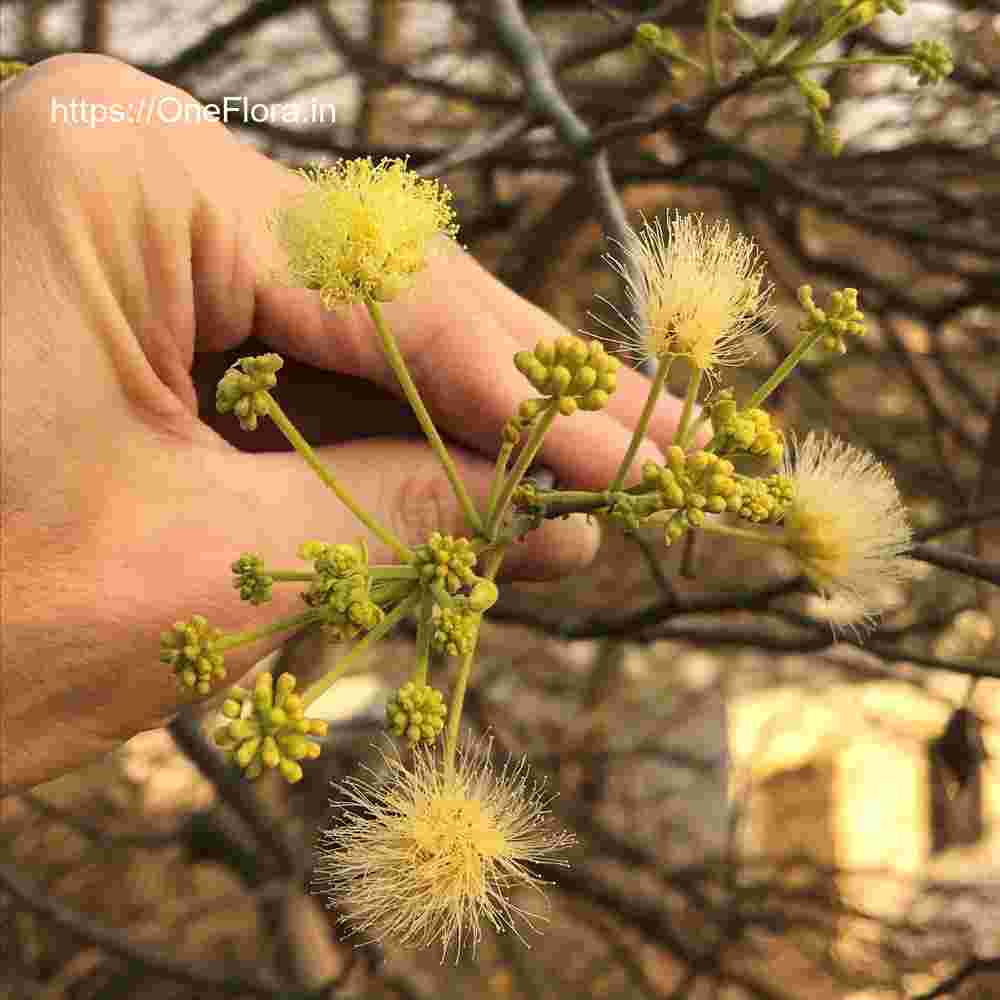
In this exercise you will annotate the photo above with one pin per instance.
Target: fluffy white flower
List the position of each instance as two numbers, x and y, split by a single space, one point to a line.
695 291
424 853
846 524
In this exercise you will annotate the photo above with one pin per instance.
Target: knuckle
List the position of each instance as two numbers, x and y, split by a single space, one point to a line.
424 503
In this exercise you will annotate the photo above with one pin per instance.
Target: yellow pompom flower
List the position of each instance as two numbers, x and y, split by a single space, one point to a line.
845 522
695 291
362 230
425 853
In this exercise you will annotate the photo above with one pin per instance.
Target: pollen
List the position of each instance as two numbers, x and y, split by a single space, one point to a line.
695 291
845 523
362 231
428 854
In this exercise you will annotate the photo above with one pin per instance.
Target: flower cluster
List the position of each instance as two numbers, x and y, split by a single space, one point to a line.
930 62
577 374
361 231
269 728
845 522
447 560
243 390
695 291
341 589
426 854
842 319
748 431
191 648
417 711
250 579
431 851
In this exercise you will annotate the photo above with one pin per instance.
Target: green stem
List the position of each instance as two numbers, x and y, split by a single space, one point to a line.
232 639
830 32
746 534
324 683
861 61
784 369
786 19
425 631
751 44
662 371
303 447
499 471
690 397
289 576
490 569
712 40
777 377
394 572
392 354
538 431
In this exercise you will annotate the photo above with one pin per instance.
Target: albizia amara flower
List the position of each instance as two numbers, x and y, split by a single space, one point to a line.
362 231
846 524
425 853
696 292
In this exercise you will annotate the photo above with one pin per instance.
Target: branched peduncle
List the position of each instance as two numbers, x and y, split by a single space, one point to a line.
531 447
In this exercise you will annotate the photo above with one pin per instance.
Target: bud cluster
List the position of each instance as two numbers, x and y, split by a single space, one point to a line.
250 579
416 711
579 375
447 559
746 431
454 630
842 318
243 390
765 500
341 589
269 728
930 62
190 648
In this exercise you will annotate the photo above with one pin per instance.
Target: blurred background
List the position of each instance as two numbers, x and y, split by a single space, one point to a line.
765 809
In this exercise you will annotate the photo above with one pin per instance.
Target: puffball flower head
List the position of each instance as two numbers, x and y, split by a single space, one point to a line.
425 853
362 230
695 291
845 524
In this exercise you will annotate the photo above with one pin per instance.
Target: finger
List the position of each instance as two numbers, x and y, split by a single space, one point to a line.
459 345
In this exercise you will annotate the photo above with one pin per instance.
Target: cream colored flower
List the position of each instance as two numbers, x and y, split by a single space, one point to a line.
845 524
695 291
424 854
362 230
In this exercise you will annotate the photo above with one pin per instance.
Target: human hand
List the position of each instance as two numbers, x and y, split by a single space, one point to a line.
136 246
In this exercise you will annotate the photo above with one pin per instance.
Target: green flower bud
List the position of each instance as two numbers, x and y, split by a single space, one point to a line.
559 380
190 649
930 62
545 352
483 596
417 711
596 399
529 409
273 730
584 379
243 389
568 406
